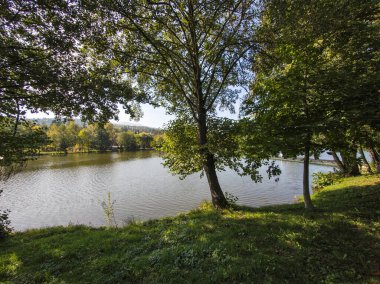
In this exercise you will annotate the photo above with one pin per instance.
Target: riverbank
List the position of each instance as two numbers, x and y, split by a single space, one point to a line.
62 153
329 163
339 242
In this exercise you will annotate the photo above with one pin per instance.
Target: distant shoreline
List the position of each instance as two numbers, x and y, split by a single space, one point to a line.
328 163
62 153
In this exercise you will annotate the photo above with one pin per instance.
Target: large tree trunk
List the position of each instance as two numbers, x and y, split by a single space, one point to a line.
365 161
306 192
217 195
375 158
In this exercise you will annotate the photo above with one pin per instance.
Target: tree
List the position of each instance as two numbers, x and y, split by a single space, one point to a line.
307 84
351 51
189 55
144 140
58 136
18 143
286 101
111 132
45 65
158 141
86 137
102 140
63 135
127 140
71 132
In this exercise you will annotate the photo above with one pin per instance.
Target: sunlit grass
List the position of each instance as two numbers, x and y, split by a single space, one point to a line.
338 243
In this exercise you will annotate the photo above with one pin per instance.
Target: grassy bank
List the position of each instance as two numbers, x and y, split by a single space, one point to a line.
338 243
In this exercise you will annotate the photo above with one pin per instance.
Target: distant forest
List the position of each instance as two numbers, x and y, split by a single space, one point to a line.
123 126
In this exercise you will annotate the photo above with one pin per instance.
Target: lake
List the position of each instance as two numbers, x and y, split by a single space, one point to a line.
62 190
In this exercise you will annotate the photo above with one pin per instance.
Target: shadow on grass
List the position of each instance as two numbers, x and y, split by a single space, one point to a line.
282 244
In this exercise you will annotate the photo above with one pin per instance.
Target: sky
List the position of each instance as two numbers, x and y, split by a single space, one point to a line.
153 117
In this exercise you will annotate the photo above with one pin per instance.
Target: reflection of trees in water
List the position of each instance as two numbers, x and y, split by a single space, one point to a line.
86 159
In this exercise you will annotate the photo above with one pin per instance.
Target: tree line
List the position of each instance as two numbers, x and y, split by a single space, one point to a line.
71 137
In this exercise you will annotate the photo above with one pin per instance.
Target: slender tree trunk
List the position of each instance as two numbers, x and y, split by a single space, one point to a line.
365 161
217 195
17 119
341 166
306 192
375 158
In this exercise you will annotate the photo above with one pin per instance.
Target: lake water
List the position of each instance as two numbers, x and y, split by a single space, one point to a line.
56 190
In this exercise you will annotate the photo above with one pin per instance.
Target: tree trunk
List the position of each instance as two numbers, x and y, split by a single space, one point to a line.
375 158
306 192
338 162
350 162
217 195
365 161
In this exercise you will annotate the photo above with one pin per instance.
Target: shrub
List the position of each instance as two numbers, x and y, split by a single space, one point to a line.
5 223
109 211
321 180
231 199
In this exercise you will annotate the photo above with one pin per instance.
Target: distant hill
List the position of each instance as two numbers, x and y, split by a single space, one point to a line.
124 126
139 128
48 121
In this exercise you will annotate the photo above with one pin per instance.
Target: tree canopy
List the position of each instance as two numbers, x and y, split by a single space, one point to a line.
45 65
314 84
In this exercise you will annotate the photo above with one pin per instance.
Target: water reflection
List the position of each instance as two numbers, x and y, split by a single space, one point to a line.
56 190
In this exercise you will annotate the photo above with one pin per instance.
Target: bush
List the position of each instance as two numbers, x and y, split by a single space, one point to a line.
5 227
231 199
321 180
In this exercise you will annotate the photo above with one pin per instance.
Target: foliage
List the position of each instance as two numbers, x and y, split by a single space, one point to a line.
158 141
5 227
287 101
144 140
19 141
321 180
45 65
231 199
127 140
307 94
190 57
102 140
279 244
71 137
182 153
109 211
181 149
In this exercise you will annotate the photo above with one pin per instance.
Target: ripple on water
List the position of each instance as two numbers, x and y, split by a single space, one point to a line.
63 190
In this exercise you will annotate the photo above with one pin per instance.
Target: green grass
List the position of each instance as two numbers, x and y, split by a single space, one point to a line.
338 243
